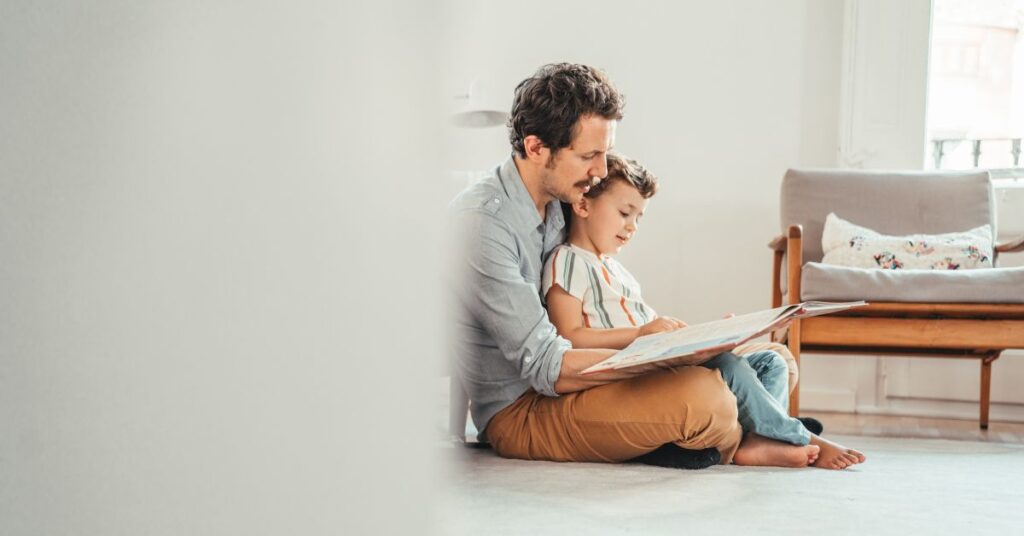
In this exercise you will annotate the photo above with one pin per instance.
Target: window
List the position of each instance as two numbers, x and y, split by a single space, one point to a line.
975 112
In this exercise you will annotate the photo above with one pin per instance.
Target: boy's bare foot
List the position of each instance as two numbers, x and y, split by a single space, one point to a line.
757 450
834 455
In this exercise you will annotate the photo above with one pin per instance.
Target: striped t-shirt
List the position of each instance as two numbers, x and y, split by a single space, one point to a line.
610 294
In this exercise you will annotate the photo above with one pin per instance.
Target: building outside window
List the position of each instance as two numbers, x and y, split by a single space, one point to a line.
975 115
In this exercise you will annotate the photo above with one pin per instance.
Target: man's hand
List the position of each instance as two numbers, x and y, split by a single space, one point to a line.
662 323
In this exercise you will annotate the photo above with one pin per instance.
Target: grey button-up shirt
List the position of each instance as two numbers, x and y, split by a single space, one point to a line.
504 342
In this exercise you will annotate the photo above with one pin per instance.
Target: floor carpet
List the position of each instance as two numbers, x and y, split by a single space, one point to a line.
907 486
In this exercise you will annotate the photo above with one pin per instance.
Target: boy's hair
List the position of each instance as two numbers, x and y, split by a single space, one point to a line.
550 103
621 168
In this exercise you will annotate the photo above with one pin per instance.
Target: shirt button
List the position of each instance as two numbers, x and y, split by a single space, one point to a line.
527 359
497 201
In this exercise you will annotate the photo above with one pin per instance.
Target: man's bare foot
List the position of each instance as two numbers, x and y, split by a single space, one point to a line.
834 455
757 450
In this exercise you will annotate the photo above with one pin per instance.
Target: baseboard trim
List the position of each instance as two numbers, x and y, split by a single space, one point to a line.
917 408
951 409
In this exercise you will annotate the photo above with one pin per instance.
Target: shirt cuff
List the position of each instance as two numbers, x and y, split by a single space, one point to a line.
552 368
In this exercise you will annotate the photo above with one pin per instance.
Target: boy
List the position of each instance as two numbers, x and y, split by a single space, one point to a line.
595 303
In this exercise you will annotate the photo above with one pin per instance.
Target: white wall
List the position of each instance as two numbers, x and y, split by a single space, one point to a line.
721 98
198 319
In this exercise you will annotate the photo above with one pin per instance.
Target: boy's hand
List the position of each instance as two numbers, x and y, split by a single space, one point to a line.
662 323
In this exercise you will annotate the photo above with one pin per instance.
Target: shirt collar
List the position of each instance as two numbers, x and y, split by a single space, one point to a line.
515 188
587 253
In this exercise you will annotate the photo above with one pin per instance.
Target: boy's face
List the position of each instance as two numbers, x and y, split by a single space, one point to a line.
611 219
571 171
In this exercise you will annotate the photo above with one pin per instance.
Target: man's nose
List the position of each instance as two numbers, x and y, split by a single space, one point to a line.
600 168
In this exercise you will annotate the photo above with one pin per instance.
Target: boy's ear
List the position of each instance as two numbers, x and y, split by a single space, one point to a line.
581 208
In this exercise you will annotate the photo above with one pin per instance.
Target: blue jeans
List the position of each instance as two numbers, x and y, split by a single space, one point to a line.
760 383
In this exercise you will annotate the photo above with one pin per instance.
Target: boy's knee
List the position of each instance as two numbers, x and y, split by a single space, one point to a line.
777 363
783 369
783 353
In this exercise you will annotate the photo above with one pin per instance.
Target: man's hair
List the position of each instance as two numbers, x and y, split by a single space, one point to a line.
550 103
621 168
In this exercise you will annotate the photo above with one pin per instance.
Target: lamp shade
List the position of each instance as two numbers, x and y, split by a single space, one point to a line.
476 110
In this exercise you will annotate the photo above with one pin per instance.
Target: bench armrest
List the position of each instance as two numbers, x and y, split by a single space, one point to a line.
1012 246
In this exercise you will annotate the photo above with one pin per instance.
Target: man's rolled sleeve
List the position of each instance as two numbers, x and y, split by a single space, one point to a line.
508 306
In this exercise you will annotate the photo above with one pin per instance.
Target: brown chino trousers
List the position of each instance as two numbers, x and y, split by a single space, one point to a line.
689 406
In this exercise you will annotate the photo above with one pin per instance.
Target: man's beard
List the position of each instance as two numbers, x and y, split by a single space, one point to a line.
571 196
551 184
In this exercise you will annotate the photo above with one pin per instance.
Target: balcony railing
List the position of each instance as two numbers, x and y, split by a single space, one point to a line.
941 147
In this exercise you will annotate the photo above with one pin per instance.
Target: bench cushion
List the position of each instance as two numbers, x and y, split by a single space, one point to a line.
993 285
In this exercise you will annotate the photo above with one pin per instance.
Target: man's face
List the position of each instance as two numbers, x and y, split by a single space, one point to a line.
572 170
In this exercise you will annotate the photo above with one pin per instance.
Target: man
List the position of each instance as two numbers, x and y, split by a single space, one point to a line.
527 396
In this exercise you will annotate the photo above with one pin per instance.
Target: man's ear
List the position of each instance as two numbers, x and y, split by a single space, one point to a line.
535 150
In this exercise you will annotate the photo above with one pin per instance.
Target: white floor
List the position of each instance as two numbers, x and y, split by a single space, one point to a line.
907 486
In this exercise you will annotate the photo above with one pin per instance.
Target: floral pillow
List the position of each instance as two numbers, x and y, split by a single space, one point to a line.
847 244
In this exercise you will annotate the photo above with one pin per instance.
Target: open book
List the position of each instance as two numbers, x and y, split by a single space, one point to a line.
696 344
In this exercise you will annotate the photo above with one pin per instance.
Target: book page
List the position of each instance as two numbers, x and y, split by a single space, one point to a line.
816 308
692 339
